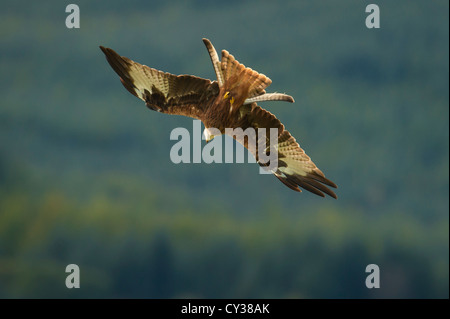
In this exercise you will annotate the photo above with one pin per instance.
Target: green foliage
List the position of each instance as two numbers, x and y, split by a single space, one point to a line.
129 249
85 174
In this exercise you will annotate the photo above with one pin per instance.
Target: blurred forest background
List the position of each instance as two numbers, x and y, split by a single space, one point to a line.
86 178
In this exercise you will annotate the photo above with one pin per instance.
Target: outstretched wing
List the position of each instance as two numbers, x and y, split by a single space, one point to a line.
163 92
295 168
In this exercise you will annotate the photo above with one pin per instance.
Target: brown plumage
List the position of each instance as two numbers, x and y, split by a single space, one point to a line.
229 102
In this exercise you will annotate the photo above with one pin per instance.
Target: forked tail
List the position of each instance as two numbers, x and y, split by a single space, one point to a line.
229 69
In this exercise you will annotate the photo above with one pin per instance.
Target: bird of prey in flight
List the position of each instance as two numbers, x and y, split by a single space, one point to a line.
228 102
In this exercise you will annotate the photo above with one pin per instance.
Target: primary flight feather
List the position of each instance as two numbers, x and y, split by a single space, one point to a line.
229 102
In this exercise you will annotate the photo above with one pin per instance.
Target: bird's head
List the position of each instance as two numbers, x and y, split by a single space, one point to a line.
208 135
211 132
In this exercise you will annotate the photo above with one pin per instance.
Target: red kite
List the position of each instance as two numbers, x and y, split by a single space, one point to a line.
229 102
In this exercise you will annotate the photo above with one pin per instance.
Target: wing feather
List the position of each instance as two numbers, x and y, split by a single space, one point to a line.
163 92
295 168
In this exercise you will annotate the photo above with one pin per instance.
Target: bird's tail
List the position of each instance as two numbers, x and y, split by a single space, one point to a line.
236 73
230 73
